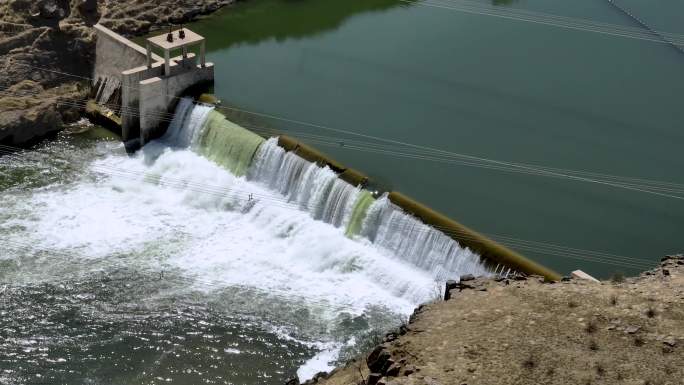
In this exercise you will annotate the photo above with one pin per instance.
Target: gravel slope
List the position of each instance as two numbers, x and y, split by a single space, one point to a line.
530 332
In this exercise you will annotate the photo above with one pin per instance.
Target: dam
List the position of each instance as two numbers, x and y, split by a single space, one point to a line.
146 95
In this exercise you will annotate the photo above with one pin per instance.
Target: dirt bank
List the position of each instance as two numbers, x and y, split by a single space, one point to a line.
41 41
529 332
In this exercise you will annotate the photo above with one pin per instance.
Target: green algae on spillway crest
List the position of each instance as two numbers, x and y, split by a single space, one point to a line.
228 144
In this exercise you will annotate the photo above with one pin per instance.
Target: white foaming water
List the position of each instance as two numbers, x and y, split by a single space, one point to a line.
313 188
421 245
330 199
221 238
280 231
321 362
187 123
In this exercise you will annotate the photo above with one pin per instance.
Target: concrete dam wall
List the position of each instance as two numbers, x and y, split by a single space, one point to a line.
311 181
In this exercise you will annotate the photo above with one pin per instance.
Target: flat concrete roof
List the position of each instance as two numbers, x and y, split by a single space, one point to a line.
190 39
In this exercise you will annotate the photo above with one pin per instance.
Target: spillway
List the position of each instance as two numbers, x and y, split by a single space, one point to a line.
318 191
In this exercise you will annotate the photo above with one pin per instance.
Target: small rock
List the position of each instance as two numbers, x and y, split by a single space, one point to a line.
377 359
450 284
430 381
373 378
409 369
632 329
467 277
670 341
579 274
666 272
388 364
389 337
393 370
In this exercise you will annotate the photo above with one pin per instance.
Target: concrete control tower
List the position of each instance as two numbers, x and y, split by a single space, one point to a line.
150 84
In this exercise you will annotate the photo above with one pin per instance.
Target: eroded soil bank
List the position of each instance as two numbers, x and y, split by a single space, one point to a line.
524 331
47 50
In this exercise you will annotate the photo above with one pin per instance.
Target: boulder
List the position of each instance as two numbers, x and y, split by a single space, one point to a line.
377 359
373 378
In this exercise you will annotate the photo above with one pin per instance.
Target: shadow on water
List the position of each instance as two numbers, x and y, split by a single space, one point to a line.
255 21
503 2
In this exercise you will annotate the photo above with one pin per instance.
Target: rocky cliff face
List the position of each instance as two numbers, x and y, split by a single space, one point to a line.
47 52
39 42
525 331
130 17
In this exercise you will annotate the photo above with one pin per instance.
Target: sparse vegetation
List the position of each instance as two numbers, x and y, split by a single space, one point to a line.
529 363
593 345
638 341
613 300
618 277
591 327
600 370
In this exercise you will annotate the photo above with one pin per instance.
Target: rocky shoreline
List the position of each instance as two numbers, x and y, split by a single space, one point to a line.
47 50
527 331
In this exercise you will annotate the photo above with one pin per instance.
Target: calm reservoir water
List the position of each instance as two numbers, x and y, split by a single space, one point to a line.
483 86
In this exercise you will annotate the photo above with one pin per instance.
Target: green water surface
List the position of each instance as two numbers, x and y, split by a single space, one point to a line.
483 86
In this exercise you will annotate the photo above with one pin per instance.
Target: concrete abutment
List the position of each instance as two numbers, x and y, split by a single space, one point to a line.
142 85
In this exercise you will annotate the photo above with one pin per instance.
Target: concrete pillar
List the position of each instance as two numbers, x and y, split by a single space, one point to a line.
203 60
167 63
153 106
149 55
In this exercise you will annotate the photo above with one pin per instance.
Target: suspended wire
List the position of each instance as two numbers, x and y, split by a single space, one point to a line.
552 20
544 171
663 189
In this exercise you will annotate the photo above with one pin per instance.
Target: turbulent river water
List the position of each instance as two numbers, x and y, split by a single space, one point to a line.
199 260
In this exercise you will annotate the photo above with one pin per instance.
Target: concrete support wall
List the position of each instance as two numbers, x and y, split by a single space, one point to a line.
115 54
130 100
159 96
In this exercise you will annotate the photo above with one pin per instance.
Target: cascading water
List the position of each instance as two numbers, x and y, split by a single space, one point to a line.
332 200
359 212
413 241
212 135
309 186
228 144
187 124
320 192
